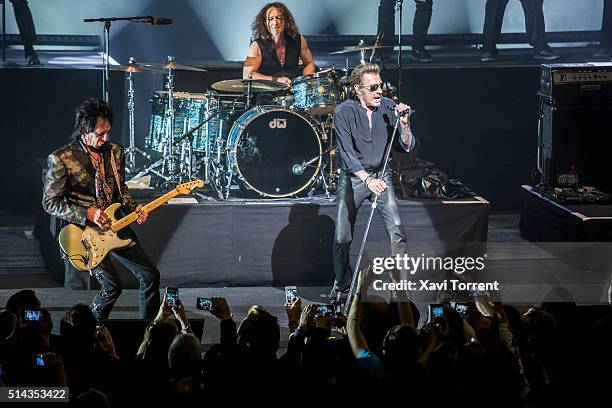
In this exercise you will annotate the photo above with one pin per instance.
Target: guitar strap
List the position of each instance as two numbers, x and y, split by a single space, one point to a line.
116 173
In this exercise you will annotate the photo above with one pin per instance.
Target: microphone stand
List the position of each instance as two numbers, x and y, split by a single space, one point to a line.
399 5
106 37
347 305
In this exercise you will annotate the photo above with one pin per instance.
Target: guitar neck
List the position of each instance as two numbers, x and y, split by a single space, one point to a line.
133 216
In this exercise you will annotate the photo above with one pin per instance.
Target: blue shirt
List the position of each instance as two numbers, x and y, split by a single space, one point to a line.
361 147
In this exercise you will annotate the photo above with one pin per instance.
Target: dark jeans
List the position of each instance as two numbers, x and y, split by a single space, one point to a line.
606 25
25 23
349 197
136 260
420 24
534 23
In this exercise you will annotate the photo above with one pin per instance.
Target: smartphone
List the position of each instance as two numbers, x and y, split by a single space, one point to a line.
32 315
435 311
462 308
291 294
172 296
325 311
205 304
39 361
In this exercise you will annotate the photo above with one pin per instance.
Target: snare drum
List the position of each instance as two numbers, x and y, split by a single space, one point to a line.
317 93
266 147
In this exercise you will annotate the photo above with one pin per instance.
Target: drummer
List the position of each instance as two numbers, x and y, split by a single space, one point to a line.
276 52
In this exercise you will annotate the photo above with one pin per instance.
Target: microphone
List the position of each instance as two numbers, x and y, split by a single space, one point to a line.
408 111
159 20
298 169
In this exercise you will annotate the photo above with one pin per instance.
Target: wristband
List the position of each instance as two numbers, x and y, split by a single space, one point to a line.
273 78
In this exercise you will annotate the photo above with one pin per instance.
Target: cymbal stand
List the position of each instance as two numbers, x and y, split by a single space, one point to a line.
167 162
170 120
131 150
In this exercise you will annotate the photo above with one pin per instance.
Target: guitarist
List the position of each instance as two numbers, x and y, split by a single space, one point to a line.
82 179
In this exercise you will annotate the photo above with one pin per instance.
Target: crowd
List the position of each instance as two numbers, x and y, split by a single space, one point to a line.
492 356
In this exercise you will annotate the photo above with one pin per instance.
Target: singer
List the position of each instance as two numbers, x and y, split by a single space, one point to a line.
363 130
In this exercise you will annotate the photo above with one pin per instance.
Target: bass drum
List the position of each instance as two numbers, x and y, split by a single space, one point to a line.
264 146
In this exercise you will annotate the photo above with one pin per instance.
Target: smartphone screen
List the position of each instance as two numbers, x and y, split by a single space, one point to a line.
435 311
172 296
291 294
204 304
462 309
32 315
325 311
39 361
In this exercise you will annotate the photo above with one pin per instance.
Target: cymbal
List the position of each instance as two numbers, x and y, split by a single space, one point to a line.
171 64
240 86
134 68
362 47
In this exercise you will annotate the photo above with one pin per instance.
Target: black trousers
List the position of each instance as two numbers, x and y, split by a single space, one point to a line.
350 196
534 23
420 24
606 25
25 23
136 261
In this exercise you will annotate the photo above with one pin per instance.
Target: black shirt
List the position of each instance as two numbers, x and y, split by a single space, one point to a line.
361 147
270 64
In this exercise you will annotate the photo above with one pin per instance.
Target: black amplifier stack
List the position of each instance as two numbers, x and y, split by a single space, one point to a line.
575 134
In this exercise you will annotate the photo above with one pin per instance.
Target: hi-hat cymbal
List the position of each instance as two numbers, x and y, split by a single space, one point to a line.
362 47
241 85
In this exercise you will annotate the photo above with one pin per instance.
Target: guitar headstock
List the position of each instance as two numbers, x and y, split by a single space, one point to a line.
186 188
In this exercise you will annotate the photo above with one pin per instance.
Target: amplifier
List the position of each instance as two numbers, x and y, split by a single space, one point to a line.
576 83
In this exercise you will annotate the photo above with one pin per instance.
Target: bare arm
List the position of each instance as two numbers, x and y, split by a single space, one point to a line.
252 64
353 324
307 58
355 336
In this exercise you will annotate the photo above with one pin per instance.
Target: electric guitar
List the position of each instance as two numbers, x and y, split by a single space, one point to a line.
87 247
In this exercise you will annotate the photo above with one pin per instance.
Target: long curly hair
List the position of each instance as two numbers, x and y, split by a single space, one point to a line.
260 26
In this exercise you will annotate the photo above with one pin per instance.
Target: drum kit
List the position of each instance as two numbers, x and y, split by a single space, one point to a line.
282 149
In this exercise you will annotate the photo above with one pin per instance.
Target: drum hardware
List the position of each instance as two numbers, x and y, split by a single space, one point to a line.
167 162
189 135
131 150
298 169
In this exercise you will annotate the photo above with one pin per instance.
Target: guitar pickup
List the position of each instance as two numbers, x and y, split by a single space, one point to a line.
85 244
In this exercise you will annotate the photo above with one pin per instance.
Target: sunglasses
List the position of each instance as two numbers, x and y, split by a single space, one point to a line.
373 87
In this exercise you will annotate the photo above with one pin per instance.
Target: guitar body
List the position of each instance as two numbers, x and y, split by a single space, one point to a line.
87 247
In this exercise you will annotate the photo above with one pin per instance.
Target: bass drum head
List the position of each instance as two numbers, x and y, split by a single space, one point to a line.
265 145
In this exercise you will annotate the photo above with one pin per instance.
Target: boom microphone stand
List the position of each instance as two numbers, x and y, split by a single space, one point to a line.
399 4
106 36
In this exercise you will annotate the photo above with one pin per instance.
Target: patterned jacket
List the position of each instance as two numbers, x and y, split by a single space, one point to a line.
69 187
